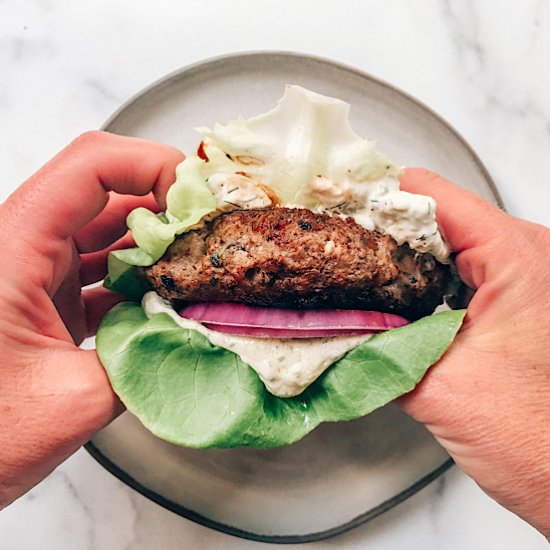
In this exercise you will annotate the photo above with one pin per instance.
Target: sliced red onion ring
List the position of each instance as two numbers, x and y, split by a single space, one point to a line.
265 322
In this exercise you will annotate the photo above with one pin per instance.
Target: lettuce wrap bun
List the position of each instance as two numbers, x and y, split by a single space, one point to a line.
195 386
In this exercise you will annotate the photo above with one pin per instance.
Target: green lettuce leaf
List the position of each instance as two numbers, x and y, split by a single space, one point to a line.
124 275
188 201
305 135
189 392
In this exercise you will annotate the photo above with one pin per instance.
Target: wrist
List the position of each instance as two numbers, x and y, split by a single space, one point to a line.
64 399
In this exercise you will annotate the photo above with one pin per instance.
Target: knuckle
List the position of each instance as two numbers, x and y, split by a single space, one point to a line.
88 139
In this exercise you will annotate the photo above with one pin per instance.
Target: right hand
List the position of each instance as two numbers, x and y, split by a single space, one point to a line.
487 401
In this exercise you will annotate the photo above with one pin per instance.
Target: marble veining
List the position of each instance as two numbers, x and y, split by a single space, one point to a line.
463 24
66 66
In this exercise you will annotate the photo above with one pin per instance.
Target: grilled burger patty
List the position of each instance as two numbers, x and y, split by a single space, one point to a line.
294 258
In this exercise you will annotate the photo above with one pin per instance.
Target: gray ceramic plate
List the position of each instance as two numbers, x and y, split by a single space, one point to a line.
341 474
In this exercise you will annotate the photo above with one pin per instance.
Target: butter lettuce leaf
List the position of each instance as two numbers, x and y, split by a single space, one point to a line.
124 275
191 393
188 200
306 135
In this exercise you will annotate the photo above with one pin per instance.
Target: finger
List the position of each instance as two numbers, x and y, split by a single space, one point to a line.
93 266
98 302
72 189
68 301
466 219
110 224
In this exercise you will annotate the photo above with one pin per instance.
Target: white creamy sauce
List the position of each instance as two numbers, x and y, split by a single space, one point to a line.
328 193
286 366
234 192
237 192
377 205
382 206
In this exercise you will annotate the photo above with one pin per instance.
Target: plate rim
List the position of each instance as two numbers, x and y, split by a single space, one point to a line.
388 504
316 536
209 61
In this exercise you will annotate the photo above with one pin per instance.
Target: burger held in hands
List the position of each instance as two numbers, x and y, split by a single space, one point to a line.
289 282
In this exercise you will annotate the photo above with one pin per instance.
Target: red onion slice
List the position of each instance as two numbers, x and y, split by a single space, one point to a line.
265 322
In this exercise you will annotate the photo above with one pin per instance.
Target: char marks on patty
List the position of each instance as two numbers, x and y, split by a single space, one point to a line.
295 258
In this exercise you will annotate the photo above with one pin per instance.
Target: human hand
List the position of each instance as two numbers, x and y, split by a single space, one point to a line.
57 230
487 401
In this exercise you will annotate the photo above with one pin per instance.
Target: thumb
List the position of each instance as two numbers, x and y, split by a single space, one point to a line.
467 220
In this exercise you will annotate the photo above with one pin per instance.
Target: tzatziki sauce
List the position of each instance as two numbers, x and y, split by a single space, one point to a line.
286 366
376 206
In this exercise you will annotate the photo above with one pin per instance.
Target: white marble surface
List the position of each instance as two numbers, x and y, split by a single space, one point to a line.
65 66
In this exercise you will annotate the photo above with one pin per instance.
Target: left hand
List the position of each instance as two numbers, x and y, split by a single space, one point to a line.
56 232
